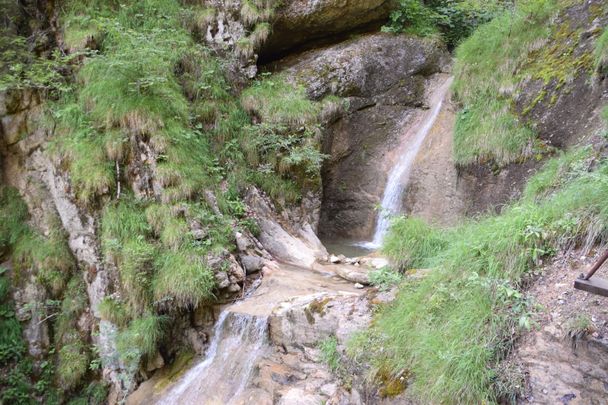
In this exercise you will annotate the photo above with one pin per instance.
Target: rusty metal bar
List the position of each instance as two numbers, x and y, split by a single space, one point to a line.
595 267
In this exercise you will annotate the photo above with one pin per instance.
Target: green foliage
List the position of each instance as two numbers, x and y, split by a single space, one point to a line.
50 258
15 366
21 68
285 144
125 234
94 394
410 241
557 172
413 17
486 127
451 328
384 278
454 19
329 353
73 362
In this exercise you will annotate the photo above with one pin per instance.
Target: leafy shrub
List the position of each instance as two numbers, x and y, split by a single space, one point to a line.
454 19
112 310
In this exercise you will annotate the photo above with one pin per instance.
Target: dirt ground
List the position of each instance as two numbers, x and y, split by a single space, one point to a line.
565 357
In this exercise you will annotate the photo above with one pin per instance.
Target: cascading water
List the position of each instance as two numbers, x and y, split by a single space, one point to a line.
398 177
238 342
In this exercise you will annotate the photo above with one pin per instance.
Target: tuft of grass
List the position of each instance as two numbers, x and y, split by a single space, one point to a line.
452 328
330 354
13 217
124 236
140 339
601 54
260 34
114 311
384 278
277 101
250 13
74 303
183 279
48 257
410 241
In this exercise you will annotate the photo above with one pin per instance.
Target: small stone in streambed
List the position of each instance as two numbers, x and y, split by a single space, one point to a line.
334 259
359 285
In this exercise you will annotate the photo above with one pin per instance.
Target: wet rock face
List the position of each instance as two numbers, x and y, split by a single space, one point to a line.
301 21
383 79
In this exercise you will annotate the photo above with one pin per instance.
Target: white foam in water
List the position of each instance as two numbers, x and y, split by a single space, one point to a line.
238 341
398 177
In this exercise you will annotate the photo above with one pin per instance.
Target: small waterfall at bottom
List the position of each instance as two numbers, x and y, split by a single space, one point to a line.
398 177
238 341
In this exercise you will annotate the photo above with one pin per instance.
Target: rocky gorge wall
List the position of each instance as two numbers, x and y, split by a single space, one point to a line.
378 84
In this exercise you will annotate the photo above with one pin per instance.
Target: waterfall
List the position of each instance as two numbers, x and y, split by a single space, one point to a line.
238 341
398 177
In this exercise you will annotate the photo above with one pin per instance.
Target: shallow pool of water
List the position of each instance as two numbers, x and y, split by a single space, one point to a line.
348 248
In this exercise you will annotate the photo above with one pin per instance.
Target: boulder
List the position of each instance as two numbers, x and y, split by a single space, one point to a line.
285 239
355 274
252 264
307 320
381 68
303 21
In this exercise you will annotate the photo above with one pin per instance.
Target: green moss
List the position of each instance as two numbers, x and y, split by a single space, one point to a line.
317 305
174 370
390 385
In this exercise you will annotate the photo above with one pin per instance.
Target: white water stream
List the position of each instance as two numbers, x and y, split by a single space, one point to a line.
399 175
238 341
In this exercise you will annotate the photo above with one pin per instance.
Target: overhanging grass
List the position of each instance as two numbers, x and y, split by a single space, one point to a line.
451 328
278 102
182 279
485 79
601 54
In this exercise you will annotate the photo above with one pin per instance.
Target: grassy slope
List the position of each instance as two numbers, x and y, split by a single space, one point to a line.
451 329
490 65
